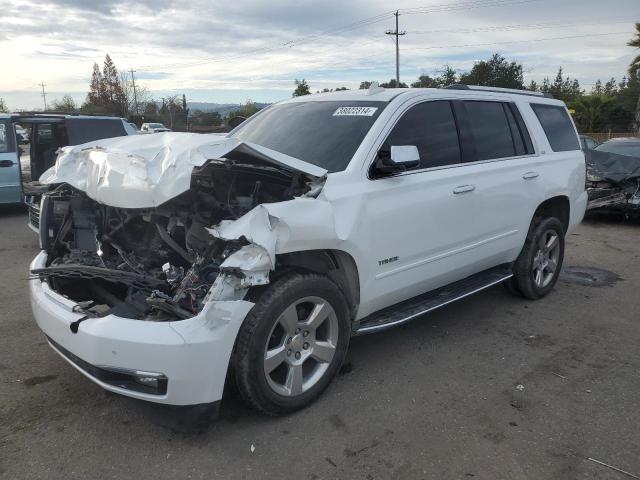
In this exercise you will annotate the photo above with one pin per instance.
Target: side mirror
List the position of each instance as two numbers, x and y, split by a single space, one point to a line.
398 159
406 155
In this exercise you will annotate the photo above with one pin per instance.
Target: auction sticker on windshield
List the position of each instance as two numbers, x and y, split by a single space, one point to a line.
355 111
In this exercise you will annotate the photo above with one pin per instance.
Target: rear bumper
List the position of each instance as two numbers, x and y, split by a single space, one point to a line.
192 354
577 211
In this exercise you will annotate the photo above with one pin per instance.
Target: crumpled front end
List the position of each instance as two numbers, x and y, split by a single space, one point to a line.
176 362
157 294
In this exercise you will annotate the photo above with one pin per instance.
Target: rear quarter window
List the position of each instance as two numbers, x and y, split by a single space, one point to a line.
557 126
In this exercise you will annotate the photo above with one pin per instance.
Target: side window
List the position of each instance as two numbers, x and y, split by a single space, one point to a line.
44 134
521 137
430 126
557 126
491 130
7 137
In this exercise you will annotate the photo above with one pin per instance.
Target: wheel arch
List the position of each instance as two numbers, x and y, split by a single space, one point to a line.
338 265
558 206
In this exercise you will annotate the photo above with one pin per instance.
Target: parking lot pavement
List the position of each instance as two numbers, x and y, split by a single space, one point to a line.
491 387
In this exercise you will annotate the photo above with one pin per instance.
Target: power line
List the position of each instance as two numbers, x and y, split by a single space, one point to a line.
371 57
517 41
345 28
526 26
288 44
447 7
397 34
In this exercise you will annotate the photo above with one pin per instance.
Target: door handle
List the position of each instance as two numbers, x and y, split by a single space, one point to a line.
6 163
464 189
530 175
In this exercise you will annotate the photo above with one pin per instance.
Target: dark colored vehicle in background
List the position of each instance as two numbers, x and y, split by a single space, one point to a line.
613 176
588 143
49 132
629 146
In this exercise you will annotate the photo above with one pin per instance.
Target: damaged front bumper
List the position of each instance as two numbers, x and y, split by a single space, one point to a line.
177 362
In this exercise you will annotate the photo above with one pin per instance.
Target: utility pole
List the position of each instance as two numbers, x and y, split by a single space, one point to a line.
135 95
44 95
397 34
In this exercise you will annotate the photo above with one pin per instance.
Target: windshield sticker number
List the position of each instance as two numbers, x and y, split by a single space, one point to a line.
355 111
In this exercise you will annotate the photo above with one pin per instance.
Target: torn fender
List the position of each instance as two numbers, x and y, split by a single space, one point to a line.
144 171
274 228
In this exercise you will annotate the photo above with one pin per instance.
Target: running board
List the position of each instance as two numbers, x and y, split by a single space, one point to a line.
414 307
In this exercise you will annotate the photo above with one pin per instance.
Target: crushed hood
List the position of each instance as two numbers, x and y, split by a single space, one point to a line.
143 171
612 167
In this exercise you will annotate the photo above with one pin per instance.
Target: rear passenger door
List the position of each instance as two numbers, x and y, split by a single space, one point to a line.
502 169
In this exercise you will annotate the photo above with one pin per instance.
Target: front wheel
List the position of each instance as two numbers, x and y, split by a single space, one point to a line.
537 268
292 343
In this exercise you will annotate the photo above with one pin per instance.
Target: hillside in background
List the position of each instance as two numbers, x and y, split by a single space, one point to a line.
222 108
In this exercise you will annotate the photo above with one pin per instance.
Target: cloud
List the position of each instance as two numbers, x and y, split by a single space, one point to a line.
250 45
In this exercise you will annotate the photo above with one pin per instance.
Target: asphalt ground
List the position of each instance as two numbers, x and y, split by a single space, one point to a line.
491 387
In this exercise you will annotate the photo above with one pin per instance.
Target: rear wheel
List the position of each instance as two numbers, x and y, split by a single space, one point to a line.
292 343
537 268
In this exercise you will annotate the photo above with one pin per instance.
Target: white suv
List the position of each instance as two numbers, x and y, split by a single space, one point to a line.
172 263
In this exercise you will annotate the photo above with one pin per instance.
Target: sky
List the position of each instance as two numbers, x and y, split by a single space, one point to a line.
232 51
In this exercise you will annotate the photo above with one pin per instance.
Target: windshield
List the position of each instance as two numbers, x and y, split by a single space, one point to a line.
631 149
156 125
326 134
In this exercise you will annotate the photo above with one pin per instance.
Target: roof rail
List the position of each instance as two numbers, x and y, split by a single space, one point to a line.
460 86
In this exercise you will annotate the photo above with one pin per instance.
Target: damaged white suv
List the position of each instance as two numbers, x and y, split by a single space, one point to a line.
173 262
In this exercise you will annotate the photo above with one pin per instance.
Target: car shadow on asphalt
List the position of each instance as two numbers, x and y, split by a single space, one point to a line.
13 210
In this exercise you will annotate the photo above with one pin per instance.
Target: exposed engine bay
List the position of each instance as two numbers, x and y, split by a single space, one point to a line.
159 263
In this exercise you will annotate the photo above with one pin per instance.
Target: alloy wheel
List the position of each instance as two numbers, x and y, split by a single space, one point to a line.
301 346
545 261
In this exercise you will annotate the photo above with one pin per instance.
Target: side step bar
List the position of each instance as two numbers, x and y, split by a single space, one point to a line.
416 306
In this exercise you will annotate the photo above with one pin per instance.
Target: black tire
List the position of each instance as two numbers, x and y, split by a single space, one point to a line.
258 329
526 266
511 286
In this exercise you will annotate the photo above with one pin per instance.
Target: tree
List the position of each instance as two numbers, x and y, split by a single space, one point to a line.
425 81
634 67
495 72
246 110
3 106
610 88
302 88
447 77
393 84
206 119
565 89
96 92
65 104
106 91
634 71
592 111
365 85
